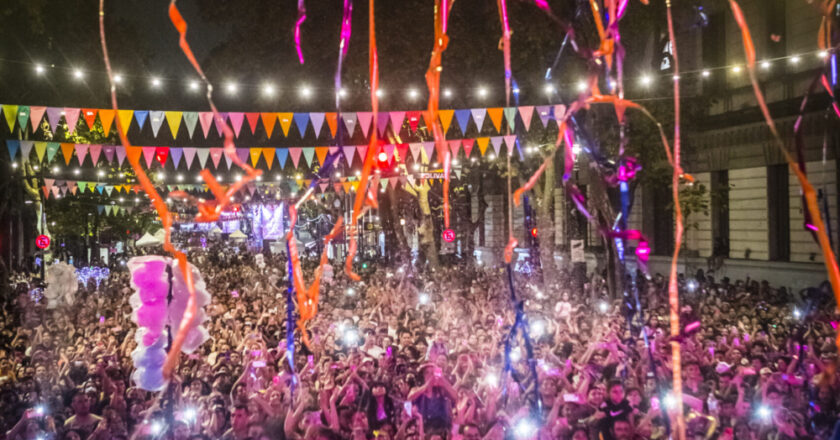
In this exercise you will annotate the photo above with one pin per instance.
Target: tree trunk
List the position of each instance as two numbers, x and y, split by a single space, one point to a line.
396 234
605 215
545 225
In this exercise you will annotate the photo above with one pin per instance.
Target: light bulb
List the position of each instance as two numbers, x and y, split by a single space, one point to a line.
39 69
482 92
646 80
118 78
78 74
447 93
305 92
193 85
155 82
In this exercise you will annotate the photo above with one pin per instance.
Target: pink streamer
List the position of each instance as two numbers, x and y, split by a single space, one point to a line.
298 23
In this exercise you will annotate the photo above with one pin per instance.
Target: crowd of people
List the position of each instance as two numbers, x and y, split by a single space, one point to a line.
429 355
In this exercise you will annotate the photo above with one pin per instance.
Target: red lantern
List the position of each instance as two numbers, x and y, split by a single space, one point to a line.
449 235
42 241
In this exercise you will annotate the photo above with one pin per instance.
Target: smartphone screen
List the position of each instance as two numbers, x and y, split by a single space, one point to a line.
407 406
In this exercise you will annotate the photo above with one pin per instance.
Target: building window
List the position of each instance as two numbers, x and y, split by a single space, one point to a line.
778 212
720 213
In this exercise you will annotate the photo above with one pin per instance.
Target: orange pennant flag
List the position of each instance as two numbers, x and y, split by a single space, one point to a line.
332 122
268 154
268 120
90 117
133 154
496 117
346 186
482 144
321 152
106 117
446 119
67 150
285 122
255 156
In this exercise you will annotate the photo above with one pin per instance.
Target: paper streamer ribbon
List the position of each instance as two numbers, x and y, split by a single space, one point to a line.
807 189
442 9
301 18
164 214
363 195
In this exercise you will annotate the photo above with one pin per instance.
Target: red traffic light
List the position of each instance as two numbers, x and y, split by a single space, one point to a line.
534 232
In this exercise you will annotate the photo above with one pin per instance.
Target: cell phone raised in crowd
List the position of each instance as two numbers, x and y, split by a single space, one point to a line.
407 407
571 398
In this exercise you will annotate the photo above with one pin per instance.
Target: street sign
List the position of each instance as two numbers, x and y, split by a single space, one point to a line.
449 235
42 241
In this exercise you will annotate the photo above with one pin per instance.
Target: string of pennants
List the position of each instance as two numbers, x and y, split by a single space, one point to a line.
24 116
116 154
56 188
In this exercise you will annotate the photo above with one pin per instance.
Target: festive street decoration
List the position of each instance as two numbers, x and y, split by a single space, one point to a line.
62 285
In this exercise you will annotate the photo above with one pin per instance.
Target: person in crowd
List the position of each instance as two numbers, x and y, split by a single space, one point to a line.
410 353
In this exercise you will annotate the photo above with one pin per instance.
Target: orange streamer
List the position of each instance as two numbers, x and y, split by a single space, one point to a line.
673 292
807 189
371 152
442 8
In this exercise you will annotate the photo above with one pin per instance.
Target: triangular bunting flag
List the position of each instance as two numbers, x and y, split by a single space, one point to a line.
161 154
382 123
26 148
109 151
389 151
510 141
332 122
52 149
81 152
71 115
106 117
429 120
121 154
206 119
40 150
175 154
220 123
48 183
282 156
95 151
497 143
23 117
317 122
174 121
309 154
189 156
89 115
559 112
321 153
525 113
216 155
13 145
415 149
428 148
302 121
203 154
478 115
544 112
190 119
124 116
463 118
364 120
348 154
54 117
268 154
236 120
254 153
445 119
82 186
510 117
253 118
10 112
67 150
156 118
468 146
495 117
140 116
413 120
402 151
149 155
455 147
35 116
362 152
393 182
109 189
295 153
285 122
323 187
268 120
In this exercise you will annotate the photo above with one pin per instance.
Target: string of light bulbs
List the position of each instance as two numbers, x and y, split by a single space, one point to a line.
306 91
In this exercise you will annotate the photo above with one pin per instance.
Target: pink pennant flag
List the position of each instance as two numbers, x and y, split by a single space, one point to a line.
55 191
36 113
295 153
216 154
206 120
559 112
149 155
468 146
71 115
220 122
428 148
362 150
49 183
393 182
323 187
510 141
526 112
189 156
348 154
120 154
252 121
81 152
95 151
236 119
455 147
397 119
364 121
389 151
